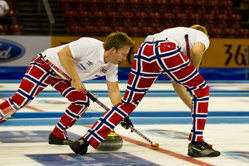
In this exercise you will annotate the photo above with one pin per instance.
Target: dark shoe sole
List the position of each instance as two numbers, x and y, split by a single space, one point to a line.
57 141
60 143
200 155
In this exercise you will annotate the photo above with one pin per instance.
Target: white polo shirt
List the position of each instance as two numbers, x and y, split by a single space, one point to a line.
3 6
88 57
178 34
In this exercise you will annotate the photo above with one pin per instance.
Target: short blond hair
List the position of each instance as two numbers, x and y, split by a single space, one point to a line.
200 28
118 40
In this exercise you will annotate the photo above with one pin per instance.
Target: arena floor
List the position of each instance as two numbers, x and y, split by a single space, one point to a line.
161 116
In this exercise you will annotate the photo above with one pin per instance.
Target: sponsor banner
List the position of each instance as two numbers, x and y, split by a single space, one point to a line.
10 50
20 50
223 60
225 53
222 53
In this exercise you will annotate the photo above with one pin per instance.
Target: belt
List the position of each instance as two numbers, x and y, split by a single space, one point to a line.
44 55
158 38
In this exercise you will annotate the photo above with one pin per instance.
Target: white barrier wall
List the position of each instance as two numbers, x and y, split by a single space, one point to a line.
17 51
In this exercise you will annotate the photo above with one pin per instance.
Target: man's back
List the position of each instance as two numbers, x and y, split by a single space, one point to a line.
178 34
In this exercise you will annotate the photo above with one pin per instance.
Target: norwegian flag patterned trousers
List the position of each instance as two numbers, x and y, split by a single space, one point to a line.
38 76
150 61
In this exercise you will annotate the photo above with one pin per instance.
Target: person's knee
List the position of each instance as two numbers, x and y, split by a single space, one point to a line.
19 100
202 92
206 90
78 97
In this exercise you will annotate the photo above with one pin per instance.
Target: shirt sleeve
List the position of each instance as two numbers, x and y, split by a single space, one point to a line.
112 74
80 48
204 39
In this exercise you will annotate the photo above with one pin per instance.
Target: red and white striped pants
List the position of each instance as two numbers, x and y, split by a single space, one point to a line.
38 76
151 60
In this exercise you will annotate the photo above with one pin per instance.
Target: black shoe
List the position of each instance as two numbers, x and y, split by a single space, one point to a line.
79 146
57 141
202 150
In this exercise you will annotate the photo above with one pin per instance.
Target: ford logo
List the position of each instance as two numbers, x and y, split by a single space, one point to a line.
10 50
